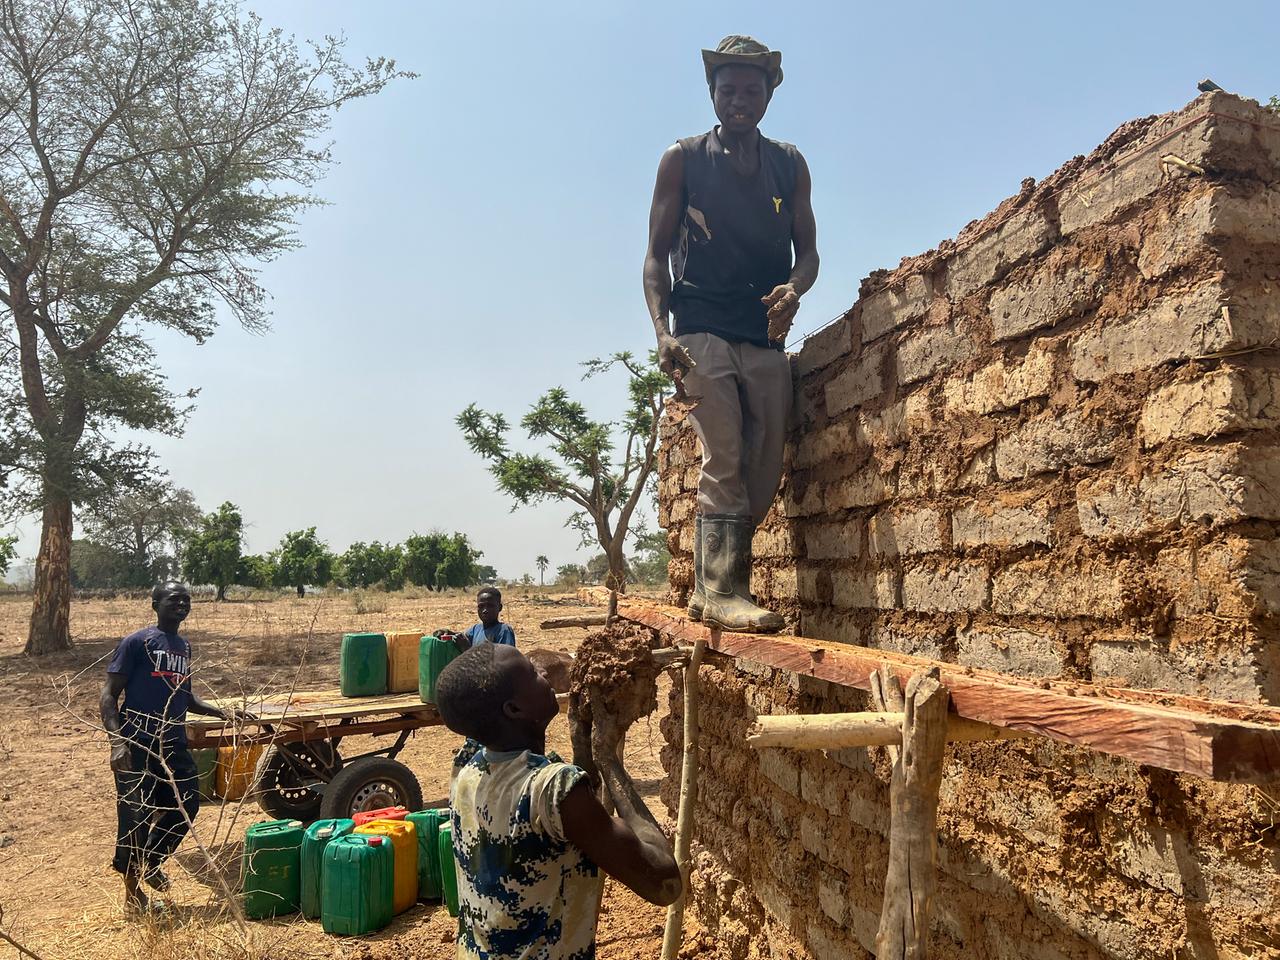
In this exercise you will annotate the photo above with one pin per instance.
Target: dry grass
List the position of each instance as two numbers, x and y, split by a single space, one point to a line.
60 899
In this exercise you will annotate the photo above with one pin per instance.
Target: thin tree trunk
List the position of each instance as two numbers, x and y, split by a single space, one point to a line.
617 579
51 609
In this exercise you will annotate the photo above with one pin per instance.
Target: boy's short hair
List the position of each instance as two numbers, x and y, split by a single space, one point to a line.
471 691
492 591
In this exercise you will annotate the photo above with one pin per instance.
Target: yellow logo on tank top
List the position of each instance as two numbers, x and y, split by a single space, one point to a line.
777 204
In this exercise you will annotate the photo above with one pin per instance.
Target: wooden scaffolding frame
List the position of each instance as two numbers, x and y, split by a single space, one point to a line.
920 704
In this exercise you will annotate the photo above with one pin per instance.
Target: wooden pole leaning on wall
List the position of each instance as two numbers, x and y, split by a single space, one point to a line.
674 932
913 799
559 623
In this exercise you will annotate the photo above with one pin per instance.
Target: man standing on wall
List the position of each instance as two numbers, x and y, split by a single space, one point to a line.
729 208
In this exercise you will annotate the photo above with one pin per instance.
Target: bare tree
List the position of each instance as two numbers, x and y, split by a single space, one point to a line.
152 153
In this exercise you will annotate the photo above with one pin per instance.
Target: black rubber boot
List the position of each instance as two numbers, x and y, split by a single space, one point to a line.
726 576
697 599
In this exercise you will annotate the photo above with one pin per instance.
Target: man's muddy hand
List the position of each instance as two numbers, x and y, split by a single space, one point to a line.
674 360
783 303
121 762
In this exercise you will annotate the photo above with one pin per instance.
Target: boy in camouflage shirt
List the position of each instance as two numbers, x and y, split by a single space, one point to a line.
530 836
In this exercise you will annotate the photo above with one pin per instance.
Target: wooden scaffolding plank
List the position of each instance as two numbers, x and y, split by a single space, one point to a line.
1206 738
320 705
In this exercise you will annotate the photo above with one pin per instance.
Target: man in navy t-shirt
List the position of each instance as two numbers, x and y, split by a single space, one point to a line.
489 629
149 753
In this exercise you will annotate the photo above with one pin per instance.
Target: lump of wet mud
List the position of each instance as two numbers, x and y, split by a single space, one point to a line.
614 674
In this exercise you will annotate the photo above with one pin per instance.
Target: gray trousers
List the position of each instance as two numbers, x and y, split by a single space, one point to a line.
744 400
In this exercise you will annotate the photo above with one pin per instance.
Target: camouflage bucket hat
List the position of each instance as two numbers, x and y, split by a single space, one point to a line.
747 52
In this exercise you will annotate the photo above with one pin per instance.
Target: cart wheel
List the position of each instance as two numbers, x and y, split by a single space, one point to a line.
284 777
370 784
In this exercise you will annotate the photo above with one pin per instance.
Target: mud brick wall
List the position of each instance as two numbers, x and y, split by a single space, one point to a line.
1047 448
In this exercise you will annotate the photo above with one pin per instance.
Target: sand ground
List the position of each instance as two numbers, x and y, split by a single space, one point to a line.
57 805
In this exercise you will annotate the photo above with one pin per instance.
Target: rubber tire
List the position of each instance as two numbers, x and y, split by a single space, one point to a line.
271 801
399 787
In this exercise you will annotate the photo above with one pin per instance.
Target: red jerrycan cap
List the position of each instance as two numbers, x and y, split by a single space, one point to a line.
375 841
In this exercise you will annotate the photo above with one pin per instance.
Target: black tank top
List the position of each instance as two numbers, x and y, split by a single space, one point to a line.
735 239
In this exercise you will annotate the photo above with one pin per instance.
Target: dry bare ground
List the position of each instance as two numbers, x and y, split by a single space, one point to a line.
60 898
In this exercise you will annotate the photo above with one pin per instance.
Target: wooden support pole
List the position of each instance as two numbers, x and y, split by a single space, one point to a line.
834 731
674 931
589 620
913 798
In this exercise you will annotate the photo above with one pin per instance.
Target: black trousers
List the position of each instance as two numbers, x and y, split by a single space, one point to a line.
149 812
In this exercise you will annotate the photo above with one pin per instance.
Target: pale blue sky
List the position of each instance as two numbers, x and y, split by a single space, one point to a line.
487 220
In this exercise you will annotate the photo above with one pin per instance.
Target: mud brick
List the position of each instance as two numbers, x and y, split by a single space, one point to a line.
683 452
979 471
782 583
1151 854
1180 236
1187 668
1003 384
833 541
915 643
1009 650
822 790
1218 141
833 898
813 584
682 509
775 902
855 758
831 945
774 541
866 488
1222 401
868 812
893 424
1023 235
686 538
825 347
1208 320
802 500
1004 526
1232 577
818 446
779 767
863 380
813 834
1012 945
865 589
891 308
825 624
1041 588
904 532
1222 485
1065 284
966 586
1020 237
932 349
1054 441
1029 810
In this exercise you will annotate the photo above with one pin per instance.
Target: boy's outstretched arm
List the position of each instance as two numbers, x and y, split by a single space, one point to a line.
630 847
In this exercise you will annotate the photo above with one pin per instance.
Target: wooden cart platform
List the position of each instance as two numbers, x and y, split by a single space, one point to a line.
309 715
